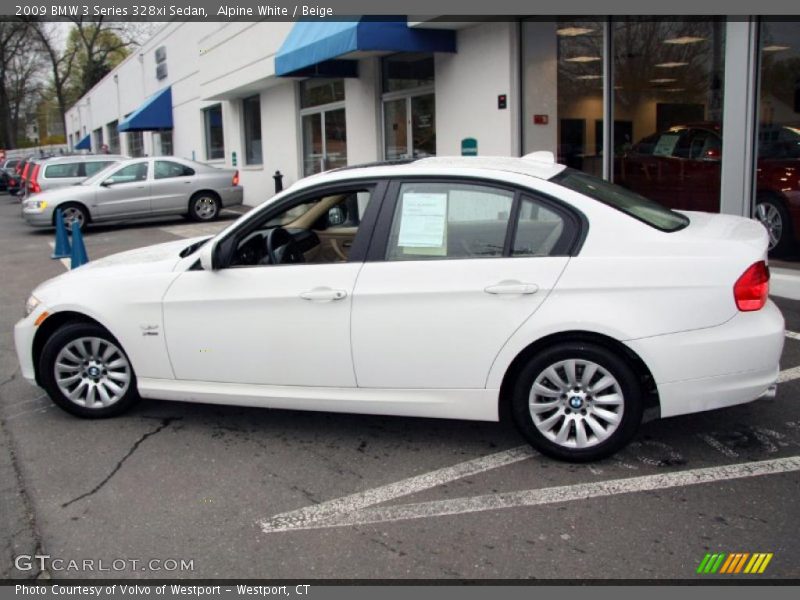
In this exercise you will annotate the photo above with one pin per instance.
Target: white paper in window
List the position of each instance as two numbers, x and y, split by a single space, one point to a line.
423 220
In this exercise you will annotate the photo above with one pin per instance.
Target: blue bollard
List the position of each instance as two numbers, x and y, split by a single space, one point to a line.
62 248
78 256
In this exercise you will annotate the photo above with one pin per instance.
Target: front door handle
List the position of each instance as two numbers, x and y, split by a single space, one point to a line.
512 287
323 294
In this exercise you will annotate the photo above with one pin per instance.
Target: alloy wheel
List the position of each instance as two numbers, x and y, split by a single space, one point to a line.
73 214
576 403
205 208
92 372
771 218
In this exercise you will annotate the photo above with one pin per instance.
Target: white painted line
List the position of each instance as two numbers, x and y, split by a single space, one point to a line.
64 261
793 335
789 375
553 495
306 517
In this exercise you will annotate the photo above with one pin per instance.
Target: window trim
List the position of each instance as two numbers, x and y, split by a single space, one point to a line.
361 243
576 225
206 131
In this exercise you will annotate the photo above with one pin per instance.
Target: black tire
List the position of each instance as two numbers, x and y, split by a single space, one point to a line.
62 338
204 206
72 210
767 204
585 353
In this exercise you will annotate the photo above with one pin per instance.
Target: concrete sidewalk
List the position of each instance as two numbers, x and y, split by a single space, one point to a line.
785 283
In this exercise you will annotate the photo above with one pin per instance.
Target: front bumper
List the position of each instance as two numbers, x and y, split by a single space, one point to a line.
38 218
705 369
24 332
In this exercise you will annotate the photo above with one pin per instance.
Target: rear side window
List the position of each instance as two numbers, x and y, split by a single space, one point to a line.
165 169
95 166
449 220
62 171
622 199
539 231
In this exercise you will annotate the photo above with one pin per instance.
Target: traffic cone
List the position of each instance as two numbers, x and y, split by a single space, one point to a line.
62 248
78 256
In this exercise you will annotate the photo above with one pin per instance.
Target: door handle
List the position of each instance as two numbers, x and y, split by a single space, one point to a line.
512 287
323 295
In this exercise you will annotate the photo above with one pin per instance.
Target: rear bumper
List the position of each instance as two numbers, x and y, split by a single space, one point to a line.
705 369
231 196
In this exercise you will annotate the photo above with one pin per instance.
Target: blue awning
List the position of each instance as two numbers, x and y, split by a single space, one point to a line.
153 115
311 48
85 143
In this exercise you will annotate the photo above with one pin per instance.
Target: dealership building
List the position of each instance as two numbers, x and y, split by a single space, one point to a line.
303 97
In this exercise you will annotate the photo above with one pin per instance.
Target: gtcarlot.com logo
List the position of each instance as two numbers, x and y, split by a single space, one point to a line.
734 563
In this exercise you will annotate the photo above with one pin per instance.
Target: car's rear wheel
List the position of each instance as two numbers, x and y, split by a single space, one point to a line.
73 212
86 372
577 402
772 213
204 206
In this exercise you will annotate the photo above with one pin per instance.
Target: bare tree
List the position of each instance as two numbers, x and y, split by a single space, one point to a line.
12 39
61 58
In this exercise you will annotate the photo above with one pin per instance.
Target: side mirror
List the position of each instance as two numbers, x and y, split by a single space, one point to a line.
207 255
336 216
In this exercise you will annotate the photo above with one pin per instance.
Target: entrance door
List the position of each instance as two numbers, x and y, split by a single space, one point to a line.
409 124
324 141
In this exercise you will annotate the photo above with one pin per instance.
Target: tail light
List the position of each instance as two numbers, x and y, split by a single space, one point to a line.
33 184
18 168
235 180
751 289
25 171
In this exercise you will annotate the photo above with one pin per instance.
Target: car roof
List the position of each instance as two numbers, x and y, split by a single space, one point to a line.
82 158
541 165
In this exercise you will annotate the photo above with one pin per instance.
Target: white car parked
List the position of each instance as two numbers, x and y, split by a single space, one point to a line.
464 288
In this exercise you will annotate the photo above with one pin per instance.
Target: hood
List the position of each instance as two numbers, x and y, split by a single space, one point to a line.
159 258
63 193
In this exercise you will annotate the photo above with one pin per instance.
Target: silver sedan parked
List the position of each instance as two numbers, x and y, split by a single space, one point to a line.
139 188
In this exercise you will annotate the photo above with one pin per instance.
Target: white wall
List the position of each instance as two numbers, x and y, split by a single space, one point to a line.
540 85
362 113
467 85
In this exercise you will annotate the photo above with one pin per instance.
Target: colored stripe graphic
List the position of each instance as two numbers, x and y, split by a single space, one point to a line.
703 563
727 564
766 562
734 563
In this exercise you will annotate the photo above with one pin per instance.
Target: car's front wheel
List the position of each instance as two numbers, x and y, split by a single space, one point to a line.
577 402
86 372
73 213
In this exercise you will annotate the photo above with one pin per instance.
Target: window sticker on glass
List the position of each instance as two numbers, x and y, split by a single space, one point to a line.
666 144
423 223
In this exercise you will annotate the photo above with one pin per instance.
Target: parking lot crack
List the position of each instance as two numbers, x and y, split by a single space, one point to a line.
163 425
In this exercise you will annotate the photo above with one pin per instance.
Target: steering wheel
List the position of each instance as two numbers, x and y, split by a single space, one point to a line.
282 248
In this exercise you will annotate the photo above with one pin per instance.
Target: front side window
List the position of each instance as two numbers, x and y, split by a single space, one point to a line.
165 169
129 174
60 171
215 142
251 110
622 199
449 220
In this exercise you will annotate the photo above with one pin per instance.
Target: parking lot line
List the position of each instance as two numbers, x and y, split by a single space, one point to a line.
538 497
793 335
306 517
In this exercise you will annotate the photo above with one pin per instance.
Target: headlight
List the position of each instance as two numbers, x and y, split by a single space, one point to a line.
36 204
31 304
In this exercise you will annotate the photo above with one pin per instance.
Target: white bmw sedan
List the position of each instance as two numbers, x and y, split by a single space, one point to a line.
463 288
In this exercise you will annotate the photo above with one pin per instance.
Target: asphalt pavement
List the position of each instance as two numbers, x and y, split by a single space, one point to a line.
237 492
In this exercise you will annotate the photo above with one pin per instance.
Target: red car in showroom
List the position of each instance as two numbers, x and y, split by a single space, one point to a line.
680 168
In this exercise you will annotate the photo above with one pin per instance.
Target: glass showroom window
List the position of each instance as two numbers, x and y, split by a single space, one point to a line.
162 143
409 106
563 90
324 128
251 113
215 141
113 137
668 92
778 158
97 139
135 144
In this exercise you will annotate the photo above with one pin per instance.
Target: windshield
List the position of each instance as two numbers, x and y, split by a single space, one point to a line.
100 175
622 199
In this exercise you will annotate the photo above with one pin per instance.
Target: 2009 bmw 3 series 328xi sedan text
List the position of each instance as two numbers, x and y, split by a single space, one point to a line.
465 288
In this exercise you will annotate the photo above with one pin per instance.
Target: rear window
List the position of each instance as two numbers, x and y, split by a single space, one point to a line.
64 170
622 199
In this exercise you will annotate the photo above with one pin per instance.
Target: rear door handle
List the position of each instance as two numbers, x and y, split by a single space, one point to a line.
512 287
323 294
